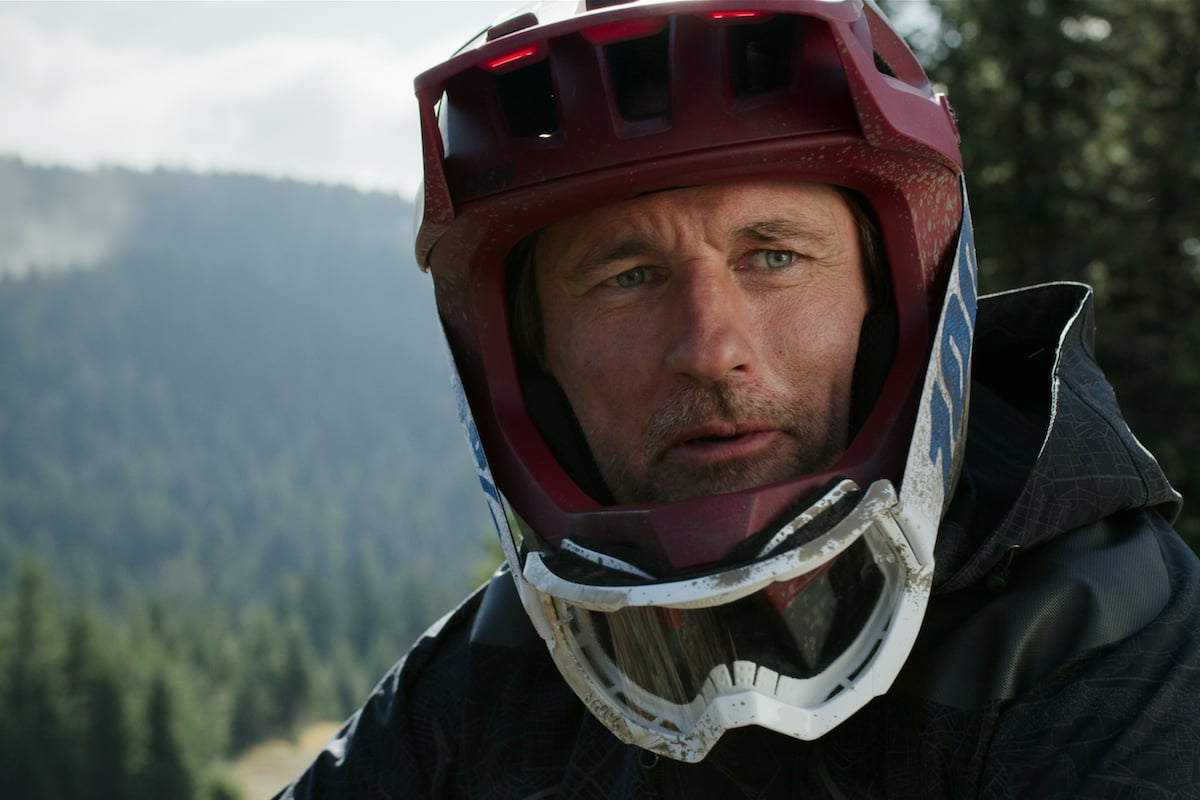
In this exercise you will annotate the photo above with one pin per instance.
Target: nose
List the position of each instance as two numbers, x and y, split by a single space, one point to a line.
710 334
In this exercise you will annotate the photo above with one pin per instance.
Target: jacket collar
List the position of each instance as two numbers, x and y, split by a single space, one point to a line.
1047 448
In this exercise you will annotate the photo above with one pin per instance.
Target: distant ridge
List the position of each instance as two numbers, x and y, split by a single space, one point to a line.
210 384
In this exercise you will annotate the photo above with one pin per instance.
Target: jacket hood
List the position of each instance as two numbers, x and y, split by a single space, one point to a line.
1047 448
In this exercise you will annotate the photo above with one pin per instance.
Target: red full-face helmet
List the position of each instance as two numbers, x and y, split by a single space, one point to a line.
788 605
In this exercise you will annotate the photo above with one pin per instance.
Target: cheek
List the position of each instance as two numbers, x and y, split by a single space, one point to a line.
820 347
610 383
596 351
575 351
586 367
568 350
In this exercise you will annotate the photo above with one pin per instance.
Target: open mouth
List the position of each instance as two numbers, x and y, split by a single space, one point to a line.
722 442
720 433
714 439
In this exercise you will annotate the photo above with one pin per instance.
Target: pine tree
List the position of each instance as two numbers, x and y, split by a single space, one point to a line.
107 736
33 758
98 752
164 771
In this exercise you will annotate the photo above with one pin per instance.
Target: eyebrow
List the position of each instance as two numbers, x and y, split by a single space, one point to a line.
608 251
767 231
776 230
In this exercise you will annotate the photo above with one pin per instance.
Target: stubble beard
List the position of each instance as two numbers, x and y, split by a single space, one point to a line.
652 477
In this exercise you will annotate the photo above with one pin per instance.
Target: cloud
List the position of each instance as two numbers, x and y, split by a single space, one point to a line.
336 109
55 230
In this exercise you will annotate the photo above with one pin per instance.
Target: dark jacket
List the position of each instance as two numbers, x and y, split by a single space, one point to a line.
1058 658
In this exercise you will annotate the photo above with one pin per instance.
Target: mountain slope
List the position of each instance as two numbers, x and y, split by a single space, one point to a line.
210 384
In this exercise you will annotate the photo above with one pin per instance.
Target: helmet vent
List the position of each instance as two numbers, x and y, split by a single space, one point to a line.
883 66
760 56
638 70
526 99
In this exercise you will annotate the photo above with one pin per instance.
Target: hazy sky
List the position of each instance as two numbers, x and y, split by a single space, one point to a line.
317 91
311 90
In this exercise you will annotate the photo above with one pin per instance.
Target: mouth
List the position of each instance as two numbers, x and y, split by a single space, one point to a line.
722 441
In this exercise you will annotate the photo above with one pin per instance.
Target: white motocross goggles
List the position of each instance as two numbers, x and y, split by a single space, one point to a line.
795 638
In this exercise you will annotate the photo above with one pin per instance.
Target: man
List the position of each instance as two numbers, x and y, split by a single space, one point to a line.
706 275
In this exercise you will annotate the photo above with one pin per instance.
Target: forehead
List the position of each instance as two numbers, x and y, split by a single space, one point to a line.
718 210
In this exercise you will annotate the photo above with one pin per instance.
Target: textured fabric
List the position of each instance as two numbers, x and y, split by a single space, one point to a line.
1058 657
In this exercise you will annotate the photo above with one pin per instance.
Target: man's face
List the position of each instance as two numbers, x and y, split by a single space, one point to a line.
706 337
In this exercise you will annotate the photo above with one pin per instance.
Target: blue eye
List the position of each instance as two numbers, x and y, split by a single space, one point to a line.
631 277
772 259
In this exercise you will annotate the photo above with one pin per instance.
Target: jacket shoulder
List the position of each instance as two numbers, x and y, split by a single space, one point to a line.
1075 670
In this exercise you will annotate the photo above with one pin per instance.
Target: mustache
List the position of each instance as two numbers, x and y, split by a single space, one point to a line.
693 405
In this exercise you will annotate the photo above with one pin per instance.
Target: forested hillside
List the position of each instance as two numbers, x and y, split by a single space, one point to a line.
245 385
229 459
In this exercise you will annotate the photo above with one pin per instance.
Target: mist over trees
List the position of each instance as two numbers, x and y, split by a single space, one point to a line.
232 485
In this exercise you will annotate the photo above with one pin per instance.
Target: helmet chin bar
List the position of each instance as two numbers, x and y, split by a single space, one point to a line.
796 640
